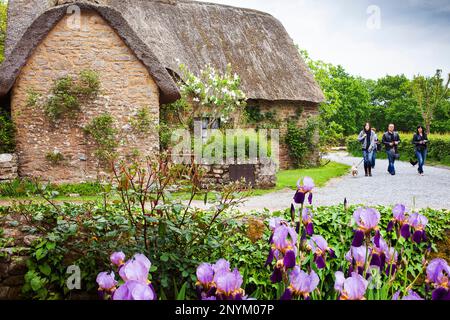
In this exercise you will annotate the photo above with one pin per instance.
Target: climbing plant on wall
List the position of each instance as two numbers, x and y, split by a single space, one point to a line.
103 132
66 95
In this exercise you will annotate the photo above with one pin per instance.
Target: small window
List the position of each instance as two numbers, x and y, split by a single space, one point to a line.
205 123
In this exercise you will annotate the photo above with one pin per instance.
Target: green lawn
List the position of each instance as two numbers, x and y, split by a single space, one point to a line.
288 178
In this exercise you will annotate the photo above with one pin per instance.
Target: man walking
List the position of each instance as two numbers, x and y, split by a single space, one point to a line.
391 140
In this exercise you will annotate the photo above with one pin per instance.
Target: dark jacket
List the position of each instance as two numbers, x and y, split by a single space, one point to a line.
417 139
390 137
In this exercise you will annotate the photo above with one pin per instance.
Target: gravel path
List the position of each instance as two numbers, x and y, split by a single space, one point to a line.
431 190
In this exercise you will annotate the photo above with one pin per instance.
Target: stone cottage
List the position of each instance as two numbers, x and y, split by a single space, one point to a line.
136 46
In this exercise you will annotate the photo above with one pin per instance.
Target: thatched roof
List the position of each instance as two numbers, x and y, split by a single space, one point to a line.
197 33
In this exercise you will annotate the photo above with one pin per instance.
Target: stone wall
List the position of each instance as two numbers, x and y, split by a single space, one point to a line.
8 166
286 111
13 256
219 175
126 87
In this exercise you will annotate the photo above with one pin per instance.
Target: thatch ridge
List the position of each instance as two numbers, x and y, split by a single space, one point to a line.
39 29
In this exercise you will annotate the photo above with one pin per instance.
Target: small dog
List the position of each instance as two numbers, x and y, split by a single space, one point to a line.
354 171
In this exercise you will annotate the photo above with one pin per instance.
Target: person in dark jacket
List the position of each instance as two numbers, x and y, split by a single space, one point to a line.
420 141
367 139
391 140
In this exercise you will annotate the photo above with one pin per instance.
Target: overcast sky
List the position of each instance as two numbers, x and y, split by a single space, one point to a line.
413 35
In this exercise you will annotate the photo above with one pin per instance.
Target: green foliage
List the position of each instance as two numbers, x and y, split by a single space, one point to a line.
266 120
54 157
28 188
101 129
209 94
438 147
351 101
3 20
301 141
69 235
7 133
142 121
429 93
66 95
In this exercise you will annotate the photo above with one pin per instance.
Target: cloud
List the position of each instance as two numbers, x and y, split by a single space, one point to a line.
414 35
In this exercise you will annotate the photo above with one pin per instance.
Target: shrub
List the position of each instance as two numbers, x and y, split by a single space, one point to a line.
28 188
7 132
301 141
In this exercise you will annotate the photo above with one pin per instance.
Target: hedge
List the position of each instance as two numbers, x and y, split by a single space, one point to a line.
438 147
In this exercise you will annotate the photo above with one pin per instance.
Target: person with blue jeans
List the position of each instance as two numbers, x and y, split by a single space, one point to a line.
420 141
391 140
375 150
367 139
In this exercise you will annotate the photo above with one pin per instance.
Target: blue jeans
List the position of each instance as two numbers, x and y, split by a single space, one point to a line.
374 158
367 157
391 158
421 157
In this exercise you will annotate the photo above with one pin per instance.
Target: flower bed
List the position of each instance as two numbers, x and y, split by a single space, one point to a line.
346 253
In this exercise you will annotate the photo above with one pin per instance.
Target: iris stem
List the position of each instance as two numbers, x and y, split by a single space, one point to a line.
299 240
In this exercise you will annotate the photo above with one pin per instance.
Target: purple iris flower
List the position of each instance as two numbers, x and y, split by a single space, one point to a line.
136 269
134 290
357 258
411 296
367 220
117 258
307 219
284 249
379 249
275 223
399 218
106 281
205 274
438 273
229 286
353 288
301 284
319 246
221 265
304 189
391 261
419 223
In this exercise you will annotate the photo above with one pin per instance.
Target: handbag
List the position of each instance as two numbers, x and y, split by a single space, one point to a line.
378 147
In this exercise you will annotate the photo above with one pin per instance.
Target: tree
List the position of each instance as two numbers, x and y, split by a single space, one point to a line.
392 101
3 15
347 98
429 93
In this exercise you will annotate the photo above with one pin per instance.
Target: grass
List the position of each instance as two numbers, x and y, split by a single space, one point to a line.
287 179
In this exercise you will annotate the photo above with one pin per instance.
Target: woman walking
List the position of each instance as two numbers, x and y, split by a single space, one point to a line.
420 141
367 139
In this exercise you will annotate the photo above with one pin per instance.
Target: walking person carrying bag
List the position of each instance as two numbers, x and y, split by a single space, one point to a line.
391 140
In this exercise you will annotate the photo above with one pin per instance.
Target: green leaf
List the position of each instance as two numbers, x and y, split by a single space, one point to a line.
36 283
165 257
45 269
40 253
182 293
